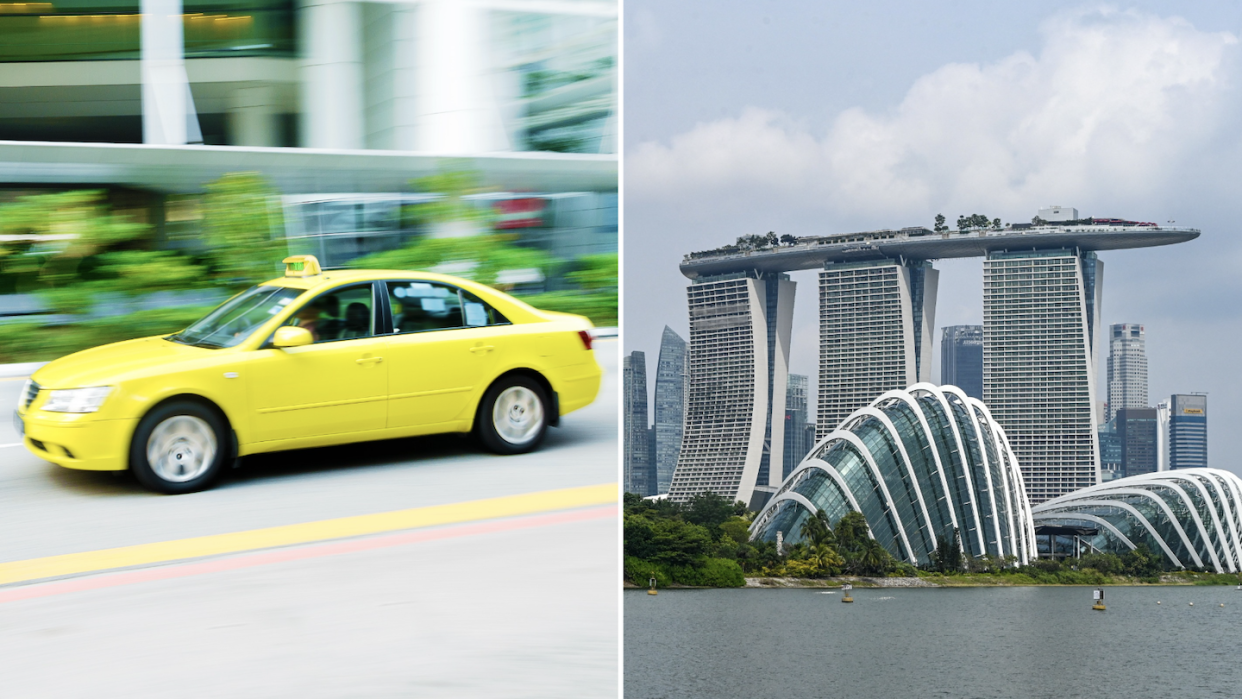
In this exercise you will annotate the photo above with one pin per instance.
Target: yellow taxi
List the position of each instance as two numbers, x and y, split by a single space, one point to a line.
312 359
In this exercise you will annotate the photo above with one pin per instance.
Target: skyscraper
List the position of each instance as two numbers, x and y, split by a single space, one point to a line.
875 327
1040 312
670 406
798 441
1162 435
736 370
961 358
1137 430
877 309
634 411
1188 431
1127 368
1110 453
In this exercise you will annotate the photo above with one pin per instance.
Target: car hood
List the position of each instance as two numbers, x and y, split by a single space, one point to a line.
107 364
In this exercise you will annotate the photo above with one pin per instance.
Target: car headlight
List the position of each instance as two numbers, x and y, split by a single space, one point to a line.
21 397
76 400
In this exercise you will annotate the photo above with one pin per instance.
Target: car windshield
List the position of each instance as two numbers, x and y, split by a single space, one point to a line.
234 320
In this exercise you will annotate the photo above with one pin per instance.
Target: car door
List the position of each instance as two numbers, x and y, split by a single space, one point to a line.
442 349
337 385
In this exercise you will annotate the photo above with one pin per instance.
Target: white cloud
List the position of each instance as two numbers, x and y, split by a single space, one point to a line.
1113 107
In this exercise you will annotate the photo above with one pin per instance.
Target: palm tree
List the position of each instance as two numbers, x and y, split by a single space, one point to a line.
874 558
816 530
825 558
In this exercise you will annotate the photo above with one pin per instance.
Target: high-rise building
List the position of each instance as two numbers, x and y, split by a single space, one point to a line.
1127 368
1110 453
961 358
736 370
1188 431
1137 430
634 418
1162 435
798 440
670 406
877 306
1040 313
875 333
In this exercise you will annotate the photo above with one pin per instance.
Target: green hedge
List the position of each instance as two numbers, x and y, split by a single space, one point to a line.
35 342
707 572
599 306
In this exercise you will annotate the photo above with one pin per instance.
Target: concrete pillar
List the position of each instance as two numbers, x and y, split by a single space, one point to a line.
331 87
168 115
252 116
455 105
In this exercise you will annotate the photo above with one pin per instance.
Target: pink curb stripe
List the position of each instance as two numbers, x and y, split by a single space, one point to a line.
303 552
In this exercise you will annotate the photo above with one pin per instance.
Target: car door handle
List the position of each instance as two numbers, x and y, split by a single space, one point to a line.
482 348
369 360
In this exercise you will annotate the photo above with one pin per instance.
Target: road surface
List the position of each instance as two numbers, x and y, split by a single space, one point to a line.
469 605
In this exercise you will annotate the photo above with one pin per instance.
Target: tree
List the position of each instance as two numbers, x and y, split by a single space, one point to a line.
452 184
940 227
996 224
826 560
947 558
771 239
816 529
711 510
789 239
243 229
1037 221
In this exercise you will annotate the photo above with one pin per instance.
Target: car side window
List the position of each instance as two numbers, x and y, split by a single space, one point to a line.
419 306
341 314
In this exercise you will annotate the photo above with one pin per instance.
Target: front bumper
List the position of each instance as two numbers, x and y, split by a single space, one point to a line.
89 445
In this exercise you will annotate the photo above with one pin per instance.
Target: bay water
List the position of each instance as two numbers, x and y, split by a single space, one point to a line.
933 642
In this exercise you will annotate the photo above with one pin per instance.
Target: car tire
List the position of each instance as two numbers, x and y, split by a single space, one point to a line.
513 416
179 447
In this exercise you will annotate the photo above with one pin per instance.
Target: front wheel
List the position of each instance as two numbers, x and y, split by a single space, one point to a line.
513 416
178 448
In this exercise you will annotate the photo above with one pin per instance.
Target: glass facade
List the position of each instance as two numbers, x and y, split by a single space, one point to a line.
1190 516
94 30
917 464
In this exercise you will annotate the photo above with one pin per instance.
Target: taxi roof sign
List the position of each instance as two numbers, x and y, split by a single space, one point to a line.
301 266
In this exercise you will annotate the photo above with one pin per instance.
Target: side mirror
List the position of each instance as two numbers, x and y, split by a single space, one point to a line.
290 336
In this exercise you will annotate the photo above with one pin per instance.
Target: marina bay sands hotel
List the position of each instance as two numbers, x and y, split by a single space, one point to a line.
877 302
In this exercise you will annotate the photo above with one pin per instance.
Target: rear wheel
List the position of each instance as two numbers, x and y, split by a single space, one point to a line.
179 447
513 416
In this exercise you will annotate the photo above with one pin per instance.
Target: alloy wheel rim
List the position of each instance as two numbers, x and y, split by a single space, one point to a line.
181 448
517 415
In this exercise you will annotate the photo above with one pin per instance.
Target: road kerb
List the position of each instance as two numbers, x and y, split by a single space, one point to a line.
307 532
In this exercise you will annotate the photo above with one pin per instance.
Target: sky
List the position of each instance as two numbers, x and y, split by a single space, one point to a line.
808 118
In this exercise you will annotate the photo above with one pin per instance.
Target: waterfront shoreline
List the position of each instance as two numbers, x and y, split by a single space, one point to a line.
777 583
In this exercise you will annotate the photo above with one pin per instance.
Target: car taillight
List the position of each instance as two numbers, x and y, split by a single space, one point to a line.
586 338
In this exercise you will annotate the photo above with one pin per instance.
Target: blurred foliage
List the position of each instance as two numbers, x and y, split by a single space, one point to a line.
240 213
31 341
83 221
595 272
453 185
491 253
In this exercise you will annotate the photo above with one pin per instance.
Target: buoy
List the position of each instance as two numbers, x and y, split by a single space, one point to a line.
1099 600
1157 601
845 589
1192 604
652 582
1222 604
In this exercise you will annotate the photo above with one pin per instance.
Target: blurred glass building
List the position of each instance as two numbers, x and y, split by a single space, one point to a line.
340 105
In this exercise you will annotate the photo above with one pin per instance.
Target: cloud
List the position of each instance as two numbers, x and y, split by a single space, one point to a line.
1115 105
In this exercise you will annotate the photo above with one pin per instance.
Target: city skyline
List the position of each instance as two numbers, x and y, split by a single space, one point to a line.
773 171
